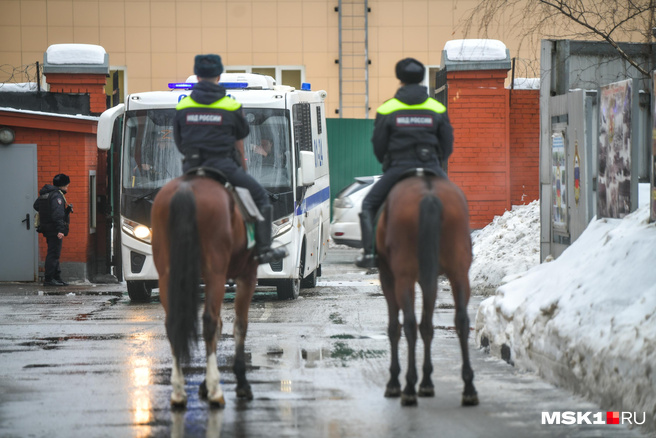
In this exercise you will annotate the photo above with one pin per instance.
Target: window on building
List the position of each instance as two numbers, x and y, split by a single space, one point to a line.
292 75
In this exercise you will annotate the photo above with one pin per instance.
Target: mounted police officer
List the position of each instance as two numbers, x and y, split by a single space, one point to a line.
53 223
209 129
411 130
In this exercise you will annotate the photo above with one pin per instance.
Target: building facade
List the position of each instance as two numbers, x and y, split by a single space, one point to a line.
152 43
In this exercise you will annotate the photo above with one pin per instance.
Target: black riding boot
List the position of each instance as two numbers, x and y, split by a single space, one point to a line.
265 254
367 259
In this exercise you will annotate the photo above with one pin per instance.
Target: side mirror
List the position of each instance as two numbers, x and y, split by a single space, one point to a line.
106 126
306 169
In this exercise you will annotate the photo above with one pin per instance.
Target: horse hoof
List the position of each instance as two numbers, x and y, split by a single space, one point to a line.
245 393
178 403
202 390
470 399
392 392
409 400
426 391
219 403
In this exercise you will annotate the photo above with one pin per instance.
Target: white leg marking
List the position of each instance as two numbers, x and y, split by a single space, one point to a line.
213 380
178 396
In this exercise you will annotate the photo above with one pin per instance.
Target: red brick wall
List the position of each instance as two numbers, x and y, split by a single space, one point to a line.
94 84
72 153
524 146
480 163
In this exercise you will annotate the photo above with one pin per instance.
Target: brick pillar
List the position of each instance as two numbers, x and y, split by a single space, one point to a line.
80 83
478 107
78 69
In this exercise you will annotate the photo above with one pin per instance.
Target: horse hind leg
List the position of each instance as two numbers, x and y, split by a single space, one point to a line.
393 388
461 297
409 394
179 395
429 293
245 290
211 386
211 389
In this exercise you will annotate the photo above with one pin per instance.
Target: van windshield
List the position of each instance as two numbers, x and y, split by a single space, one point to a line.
151 159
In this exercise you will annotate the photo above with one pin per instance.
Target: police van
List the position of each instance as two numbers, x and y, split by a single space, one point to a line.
286 151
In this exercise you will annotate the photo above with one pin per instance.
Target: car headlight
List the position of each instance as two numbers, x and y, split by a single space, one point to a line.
342 203
281 226
137 230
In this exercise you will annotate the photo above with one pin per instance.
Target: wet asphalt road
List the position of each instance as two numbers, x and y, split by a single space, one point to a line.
94 364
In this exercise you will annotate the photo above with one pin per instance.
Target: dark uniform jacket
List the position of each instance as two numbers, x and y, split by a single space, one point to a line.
412 129
206 126
53 215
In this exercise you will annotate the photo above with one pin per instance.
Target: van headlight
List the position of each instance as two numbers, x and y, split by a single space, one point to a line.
137 230
281 226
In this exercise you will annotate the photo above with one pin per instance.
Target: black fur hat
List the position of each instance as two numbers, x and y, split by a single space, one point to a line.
208 66
61 180
410 71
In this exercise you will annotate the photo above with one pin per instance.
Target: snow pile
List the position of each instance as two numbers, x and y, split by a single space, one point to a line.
75 54
508 245
588 319
475 50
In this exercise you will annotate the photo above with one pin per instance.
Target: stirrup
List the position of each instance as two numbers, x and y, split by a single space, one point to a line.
366 261
272 255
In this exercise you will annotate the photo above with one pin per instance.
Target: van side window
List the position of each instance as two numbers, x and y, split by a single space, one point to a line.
302 126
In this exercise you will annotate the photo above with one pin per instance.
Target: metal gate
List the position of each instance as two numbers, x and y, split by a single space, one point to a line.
351 153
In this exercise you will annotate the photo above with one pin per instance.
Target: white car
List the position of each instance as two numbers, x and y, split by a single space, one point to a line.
345 226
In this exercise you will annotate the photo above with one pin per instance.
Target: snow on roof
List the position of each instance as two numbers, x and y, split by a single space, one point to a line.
526 84
42 113
475 50
18 87
75 54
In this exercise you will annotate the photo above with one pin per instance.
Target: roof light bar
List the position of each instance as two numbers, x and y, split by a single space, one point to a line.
181 85
234 85
190 85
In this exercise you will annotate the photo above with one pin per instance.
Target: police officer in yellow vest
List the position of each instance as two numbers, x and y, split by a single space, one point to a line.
411 130
209 130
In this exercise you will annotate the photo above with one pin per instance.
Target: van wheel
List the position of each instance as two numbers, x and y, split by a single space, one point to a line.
139 291
288 289
310 281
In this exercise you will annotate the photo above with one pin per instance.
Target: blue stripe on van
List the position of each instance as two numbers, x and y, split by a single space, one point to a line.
313 200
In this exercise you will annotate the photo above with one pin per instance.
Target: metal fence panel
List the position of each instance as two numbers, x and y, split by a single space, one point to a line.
350 152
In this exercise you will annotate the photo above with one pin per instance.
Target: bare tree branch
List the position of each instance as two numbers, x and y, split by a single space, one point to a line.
605 20
567 12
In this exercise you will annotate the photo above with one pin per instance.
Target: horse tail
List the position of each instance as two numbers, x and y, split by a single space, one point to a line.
184 274
430 228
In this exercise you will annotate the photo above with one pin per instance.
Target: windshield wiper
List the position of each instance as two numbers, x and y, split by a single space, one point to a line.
147 195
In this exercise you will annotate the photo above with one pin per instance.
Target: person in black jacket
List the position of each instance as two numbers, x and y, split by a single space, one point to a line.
209 130
411 130
54 220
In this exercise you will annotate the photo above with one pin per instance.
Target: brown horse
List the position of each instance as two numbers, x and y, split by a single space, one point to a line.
198 231
424 232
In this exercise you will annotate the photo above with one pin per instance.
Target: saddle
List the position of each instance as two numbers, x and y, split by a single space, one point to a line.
418 171
242 197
